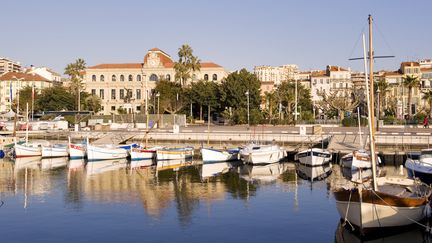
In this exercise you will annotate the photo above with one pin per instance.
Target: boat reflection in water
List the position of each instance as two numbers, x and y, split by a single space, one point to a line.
76 164
344 235
315 173
53 163
173 164
102 166
27 163
268 173
356 174
213 169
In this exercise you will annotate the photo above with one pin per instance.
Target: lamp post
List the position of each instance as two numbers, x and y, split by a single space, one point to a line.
248 115
378 109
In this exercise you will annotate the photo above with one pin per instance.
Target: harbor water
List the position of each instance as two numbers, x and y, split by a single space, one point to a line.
56 200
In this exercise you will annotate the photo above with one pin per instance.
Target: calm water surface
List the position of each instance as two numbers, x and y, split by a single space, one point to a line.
57 200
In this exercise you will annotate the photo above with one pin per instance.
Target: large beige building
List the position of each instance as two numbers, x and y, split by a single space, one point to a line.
111 82
12 82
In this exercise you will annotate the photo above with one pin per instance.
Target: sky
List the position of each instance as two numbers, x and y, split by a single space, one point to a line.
232 33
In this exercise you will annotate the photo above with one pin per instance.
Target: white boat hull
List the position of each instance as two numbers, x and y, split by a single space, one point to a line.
314 157
24 150
214 155
49 152
377 215
95 153
76 151
174 154
264 154
142 154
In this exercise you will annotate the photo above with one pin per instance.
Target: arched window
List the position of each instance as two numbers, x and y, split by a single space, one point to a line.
168 77
93 78
102 78
113 78
154 77
206 77
138 77
214 77
130 78
121 78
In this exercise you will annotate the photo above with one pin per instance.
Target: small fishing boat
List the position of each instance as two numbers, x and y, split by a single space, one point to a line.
219 155
104 152
76 150
314 157
420 165
141 153
262 154
6 144
174 153
33 149
55 150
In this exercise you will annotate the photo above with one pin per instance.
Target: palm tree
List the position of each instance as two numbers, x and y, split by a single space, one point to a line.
76 72
410 82
427 96
186 65
383 88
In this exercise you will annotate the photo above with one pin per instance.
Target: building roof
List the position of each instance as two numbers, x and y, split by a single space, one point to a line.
414 64
426 70
11 76
393 73
319 74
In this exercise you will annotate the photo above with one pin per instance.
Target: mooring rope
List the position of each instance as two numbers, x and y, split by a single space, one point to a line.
346 213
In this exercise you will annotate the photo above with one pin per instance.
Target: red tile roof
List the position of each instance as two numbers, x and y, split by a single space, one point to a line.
116 65
335 68
12 76
319 74
394 73
415 64
424 70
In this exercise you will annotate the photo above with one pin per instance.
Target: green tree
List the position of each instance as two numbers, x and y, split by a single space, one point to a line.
55 98
186 65
75 71
25 96
233 91
383 88
285 95
427 96
340 100
204 93
410 82
92 103
171 96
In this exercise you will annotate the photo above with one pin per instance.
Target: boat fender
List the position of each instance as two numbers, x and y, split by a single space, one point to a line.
427 211
2 154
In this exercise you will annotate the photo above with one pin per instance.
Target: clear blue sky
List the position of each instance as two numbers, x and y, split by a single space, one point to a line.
234 34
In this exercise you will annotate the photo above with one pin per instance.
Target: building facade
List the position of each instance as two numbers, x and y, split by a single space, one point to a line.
12 82
7 65
113 82
46 73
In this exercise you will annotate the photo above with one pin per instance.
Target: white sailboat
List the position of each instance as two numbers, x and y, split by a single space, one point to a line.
54 150
420 166
314 157
76 150
174 153
384 202
262 154
28 149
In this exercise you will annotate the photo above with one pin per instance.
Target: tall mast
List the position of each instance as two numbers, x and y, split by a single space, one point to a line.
371 106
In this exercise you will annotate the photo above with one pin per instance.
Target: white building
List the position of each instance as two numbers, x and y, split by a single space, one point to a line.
276 74
45 72
333 81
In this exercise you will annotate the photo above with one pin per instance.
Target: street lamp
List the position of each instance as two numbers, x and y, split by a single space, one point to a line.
248 115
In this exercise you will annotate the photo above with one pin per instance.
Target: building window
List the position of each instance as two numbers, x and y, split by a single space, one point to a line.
122 78
154 77
138 94
206 77
130 77
93 91
214 77
102 78
113 108
138 77
168 77
113 78
93 78
102 94
122 94
138 108
113 94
